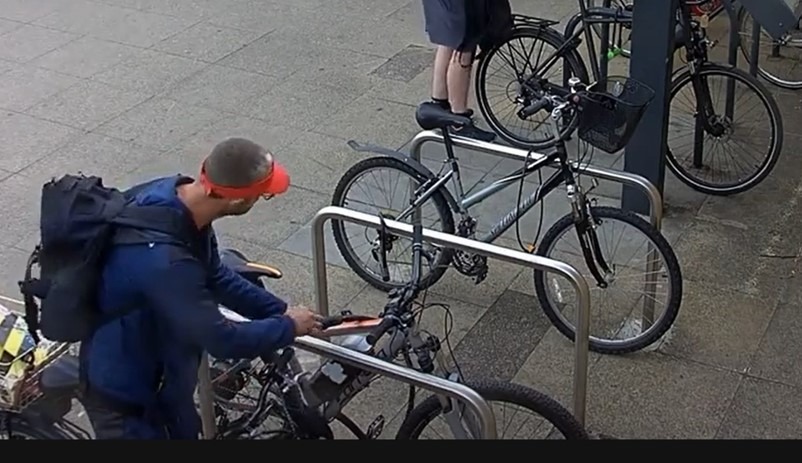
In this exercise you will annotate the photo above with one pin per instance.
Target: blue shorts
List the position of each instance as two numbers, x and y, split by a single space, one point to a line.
456 24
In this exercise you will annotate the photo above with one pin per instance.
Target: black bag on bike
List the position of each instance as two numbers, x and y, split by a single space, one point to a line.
80 219
498 23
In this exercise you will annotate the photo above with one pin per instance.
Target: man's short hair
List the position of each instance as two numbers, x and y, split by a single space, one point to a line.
237 162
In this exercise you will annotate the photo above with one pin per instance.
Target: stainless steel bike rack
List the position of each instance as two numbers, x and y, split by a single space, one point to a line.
206 399
471 398
509 152
329 350
489 250
625 178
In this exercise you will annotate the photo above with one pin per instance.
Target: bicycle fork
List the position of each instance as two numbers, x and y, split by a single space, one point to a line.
586 234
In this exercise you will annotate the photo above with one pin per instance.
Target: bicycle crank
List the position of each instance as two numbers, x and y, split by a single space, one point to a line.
469 264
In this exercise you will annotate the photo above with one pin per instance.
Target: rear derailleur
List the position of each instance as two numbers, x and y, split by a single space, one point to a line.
468 264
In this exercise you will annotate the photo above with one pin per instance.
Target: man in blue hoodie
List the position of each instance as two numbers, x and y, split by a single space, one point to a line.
140 370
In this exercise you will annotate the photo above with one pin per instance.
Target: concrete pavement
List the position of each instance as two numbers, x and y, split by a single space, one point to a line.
130 89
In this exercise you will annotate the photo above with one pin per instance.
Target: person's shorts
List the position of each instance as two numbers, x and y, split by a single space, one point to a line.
455 24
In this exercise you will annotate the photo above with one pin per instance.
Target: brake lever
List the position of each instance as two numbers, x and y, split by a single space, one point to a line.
383 251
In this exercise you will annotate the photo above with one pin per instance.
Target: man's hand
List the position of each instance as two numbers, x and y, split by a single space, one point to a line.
306 321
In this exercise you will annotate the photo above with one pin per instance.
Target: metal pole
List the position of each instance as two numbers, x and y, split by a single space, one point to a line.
206 399
509 152
438 385
443 239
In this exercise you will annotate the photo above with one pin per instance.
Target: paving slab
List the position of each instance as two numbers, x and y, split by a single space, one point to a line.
27 139
85 56
28 10
92 153
160 123
28 42
133 89
206 41
87 105
763 410
149 71
24 86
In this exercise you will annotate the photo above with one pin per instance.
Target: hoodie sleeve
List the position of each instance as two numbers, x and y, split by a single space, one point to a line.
239 294
178 293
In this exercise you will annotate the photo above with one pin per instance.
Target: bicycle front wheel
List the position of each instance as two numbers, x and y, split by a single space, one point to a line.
521 410
385 185
19 428
644 283
730 146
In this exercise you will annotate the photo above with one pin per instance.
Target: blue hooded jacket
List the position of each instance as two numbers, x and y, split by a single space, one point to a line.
150 357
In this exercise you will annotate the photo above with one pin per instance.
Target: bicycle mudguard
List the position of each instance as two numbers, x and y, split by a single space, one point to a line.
405 158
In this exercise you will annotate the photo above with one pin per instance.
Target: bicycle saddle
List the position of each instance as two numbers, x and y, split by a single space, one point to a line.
237 262
432 116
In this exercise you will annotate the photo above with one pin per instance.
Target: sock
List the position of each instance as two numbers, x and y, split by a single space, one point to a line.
442 102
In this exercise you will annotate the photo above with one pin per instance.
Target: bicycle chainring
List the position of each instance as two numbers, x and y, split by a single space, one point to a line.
469 264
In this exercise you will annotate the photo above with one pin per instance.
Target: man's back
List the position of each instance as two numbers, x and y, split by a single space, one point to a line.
127 357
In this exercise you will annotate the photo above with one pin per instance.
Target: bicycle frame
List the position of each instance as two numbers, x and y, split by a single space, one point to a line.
400 342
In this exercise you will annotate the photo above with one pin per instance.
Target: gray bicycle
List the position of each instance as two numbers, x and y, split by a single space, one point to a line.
590 237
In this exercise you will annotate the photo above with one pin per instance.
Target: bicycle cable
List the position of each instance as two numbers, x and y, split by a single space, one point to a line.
532 247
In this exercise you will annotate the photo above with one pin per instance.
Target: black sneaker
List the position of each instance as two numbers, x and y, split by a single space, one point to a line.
474 132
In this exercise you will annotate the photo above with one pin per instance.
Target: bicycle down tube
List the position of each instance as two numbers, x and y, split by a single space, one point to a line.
582 338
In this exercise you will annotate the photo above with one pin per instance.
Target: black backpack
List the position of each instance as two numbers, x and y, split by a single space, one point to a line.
80 219
498 24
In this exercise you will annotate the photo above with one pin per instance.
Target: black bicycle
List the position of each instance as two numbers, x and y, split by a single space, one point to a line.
291 402
626 261
710 103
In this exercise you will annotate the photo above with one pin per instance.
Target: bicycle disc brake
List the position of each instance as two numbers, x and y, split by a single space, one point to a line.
468 264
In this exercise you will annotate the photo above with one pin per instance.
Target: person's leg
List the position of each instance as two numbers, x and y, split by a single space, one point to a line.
459 84
442 60
109 424
459 80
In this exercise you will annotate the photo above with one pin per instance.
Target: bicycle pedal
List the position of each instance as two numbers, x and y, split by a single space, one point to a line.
376 427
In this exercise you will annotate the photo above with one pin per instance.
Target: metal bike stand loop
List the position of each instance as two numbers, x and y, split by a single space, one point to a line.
624 178
464 244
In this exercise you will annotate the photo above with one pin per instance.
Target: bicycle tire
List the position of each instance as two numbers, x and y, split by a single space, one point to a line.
660 326
443 259
707 69
745 18
571 59
498 391
21 428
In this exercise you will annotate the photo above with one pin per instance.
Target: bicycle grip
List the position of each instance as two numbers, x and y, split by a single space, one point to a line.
331 320
533 108
377 333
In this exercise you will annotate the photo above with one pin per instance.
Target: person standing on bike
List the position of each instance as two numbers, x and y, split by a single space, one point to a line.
458 27
140 370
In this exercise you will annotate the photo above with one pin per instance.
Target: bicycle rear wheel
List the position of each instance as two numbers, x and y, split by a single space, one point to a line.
500 83
652 283
549 419
386 189
623 48
779 64
697 152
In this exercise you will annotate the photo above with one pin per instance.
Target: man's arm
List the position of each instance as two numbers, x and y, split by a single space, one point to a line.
177 291
239 294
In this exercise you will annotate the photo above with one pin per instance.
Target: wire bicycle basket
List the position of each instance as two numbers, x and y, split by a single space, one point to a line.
608 118
22 361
